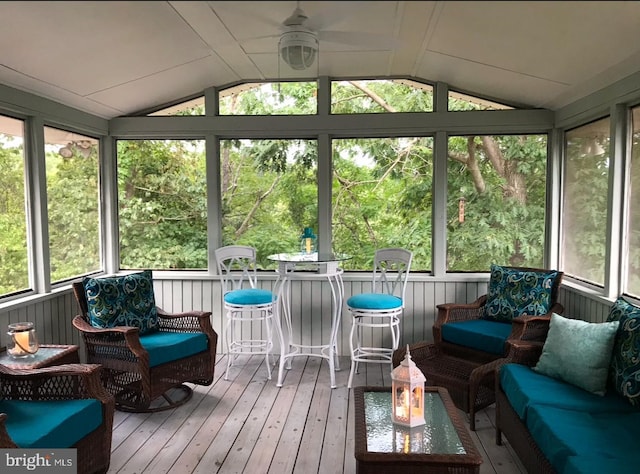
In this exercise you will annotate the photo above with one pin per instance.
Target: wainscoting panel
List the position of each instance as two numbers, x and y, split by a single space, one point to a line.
310 306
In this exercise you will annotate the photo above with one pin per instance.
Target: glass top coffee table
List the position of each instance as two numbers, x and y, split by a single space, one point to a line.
442 444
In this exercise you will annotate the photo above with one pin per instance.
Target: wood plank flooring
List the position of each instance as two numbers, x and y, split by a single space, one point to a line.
248 425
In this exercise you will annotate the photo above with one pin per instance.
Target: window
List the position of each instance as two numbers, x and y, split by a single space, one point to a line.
496 201
584 215
380 96
460 102
189 107
632 255
269 194
162 204
271 98
381 197
73 203
14 255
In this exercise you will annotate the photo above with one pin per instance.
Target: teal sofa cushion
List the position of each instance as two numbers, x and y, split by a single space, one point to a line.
51 424
578 352
374 301
624 370
587 464
480 334
249 296
524 388
126 300
563 433
514 292
165 346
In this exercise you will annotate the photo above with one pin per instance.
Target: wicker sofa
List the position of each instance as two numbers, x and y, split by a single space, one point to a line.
557 427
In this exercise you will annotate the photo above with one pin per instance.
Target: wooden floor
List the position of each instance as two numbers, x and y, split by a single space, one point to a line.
248 425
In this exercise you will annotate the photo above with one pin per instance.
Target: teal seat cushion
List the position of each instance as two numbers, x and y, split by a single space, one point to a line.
480 334
164 346
126 300
374 301
578 352
588 464
51 424
249 296
624 370
514 292
524 388
604 437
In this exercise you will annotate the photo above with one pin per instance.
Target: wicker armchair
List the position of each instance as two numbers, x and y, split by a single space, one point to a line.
137 385
523 328
468 373
62 383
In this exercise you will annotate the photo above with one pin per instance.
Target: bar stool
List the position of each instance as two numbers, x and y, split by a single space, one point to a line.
379 310
245 305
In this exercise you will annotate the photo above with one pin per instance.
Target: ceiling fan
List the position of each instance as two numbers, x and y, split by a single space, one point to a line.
299 44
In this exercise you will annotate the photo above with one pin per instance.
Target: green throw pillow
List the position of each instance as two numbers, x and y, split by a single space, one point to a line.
624 371
126 300
513 292
578 352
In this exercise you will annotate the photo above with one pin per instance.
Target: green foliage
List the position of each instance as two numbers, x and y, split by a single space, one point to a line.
162 204
14 274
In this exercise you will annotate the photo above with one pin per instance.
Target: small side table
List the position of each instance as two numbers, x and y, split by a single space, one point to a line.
47 355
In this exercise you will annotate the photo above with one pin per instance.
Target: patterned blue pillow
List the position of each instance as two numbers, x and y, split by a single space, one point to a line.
624 371
514 292
122 301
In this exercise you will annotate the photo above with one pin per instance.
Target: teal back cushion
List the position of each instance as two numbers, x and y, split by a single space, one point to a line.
513 292
51 423
625 359
578 352
126 300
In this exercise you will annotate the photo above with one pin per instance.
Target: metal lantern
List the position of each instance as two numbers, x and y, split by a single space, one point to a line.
22 340
407 393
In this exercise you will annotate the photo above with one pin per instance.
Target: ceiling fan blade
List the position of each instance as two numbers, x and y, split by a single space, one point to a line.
364 40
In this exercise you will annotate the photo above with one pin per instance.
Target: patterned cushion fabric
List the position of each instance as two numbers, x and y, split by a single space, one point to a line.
624 371
513 292
122 301
578 352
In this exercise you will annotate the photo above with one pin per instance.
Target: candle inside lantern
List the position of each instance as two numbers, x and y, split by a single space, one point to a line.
406 443
22 343
22 340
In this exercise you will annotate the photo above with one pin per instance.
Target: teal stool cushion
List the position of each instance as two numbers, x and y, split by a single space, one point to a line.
479 334
164 346
249 296
374 301
51 423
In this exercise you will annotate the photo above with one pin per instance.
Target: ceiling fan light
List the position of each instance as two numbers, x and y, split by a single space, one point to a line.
298 49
